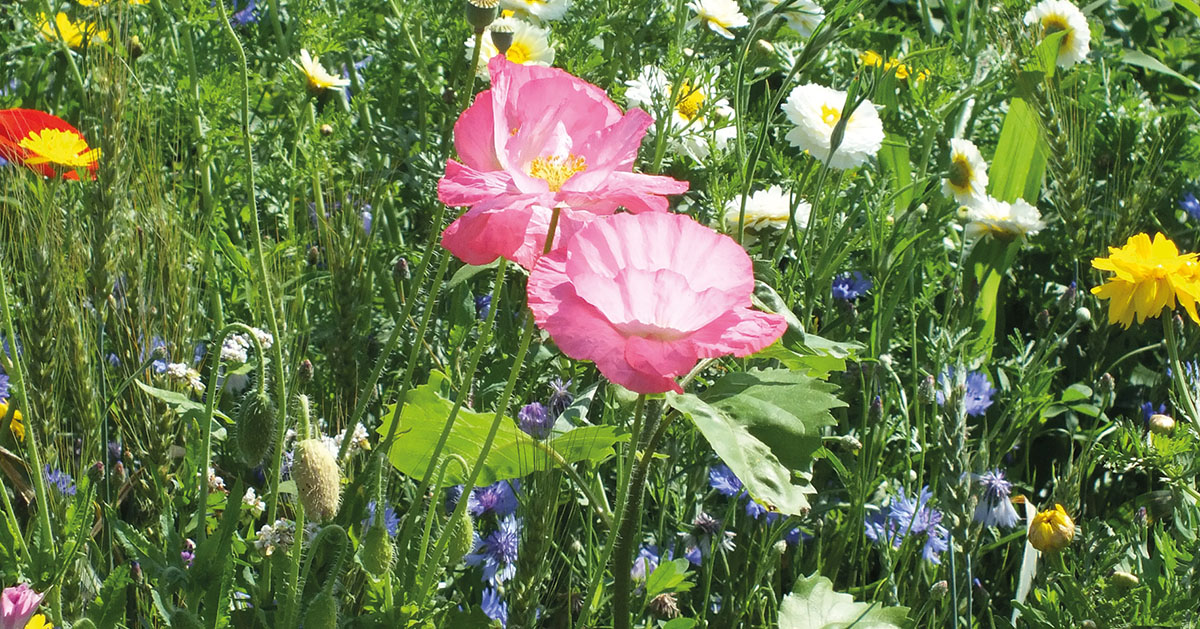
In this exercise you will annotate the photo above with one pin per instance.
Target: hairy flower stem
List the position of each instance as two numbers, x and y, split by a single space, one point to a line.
1181 385
17 377
629 524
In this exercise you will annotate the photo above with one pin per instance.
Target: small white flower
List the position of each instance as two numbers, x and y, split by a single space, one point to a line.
318 77
264 338
816 110
540 9
233 350
530 45
999 218
698 121
215 483
177 371
194 381
1052 16
767 208
802 16
968 178
257 505
718 15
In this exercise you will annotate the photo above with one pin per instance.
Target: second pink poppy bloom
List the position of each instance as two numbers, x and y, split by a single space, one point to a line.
539 139
647 296
17 606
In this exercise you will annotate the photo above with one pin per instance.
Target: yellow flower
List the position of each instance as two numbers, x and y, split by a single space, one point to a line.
17 425
60 148
1150 276
72 32
871 58
318 77
38 622
1051 530
97 3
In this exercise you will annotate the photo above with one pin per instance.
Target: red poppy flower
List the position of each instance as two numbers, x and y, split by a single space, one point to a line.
45 143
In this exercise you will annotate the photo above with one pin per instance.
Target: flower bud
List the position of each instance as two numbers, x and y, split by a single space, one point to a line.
314 255
1124 580
664 606
255 428
318 479
1083 316
462 538
481 13
322 612
939 589
1051 530
1087 624
1043 320
377 551
850 443
1067 302
1161 424
401 270
96 472
306 371
925 391
135 48
1106 385
326 130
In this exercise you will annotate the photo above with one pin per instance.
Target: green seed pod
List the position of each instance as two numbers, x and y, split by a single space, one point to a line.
318 479
255 427
377 551
183 619
462 538
322 612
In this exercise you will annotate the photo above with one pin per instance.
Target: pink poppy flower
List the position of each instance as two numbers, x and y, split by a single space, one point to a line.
539 139
645 296
17 606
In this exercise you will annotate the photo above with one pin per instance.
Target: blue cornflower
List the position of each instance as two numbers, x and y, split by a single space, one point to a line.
4 386
494 607
698 543
794 536
910 517
243 15
1148 410
198 353
560 396
646 562
391 521
535 421
483 306
977 396
500 498
722 479
157 350
995 509
849 287
61 480
756 510
115 450
498 552
366 217
1191 205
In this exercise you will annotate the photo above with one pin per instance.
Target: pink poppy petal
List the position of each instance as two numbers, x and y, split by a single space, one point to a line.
740 332
482 235
463 185
473 135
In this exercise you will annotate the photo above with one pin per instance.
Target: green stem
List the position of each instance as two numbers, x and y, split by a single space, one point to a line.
1186 392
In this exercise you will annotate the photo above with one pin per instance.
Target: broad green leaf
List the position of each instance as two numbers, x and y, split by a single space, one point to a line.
765 425
513 454
1143 60
681 623
669 576
1190 5
179 402
817 365
813 604
109 608
467 271
894 157
989 260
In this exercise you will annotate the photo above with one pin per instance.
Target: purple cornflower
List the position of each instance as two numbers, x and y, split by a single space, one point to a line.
849 287
560 396
910 517
722 479
498 552
535 421
1191 205
188 553
698 543
61 480
977 395
494 607
756 510
646 562
483 306
391 521
995 509
500 498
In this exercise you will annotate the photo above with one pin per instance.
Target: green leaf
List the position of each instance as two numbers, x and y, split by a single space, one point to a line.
894 157
681 623
513 454
765 425
109 609
669 576
1143 60
179 402
814 605
1020 160
467 271
1190 5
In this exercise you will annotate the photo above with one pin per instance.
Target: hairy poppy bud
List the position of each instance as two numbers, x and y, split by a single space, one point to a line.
377 551
1051 530
255 427
322 612
462 538
318 479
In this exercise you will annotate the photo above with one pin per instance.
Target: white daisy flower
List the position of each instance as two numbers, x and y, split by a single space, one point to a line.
318 77
767 208
697 121
968 178
530 45
718 15
1001 219
802 16
540 9
1052 16
816 110
256 504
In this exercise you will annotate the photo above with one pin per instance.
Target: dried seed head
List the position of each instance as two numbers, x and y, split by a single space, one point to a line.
318 479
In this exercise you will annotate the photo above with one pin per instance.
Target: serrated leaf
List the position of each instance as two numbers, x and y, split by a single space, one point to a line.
514 454
813 604
110 608
669 576
765 425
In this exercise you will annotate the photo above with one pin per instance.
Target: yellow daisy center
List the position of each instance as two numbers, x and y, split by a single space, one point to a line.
519 52
556 170
689 101
960 173
830 115
1052 24
58 147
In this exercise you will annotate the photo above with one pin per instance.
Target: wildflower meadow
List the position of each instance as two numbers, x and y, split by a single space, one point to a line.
796 314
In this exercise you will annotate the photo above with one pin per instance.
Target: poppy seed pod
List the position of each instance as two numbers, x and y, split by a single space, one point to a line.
502 36
481 13
318 479
1051 530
